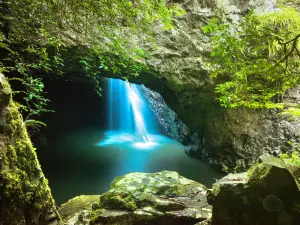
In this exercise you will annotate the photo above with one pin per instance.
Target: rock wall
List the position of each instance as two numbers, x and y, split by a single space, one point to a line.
25 197
236 138
172 126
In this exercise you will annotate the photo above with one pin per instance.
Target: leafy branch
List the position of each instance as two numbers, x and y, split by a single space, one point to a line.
287 54
256 61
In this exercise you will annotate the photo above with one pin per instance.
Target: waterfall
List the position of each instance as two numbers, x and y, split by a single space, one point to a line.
130 118
139 120
119 107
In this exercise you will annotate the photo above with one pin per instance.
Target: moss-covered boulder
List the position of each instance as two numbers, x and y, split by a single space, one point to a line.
144 198
267 195
77 210
25 197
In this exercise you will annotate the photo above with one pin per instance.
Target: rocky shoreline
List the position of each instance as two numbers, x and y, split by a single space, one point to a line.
266 194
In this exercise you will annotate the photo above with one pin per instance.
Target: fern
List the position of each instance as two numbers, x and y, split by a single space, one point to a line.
291 158
256 61
34 123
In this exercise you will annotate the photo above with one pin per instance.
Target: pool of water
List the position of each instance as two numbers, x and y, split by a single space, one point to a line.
86 161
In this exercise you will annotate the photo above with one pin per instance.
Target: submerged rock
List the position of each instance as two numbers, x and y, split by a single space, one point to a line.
267 195
163 198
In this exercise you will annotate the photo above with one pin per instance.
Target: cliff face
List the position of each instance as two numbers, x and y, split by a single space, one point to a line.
229 138
25 197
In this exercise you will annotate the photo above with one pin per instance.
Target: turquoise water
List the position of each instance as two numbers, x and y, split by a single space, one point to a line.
91 140
76 163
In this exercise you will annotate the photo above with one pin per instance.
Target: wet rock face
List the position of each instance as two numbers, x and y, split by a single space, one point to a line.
269 194
172 126
163 198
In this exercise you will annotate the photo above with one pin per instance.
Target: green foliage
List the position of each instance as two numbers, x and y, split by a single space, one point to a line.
117 27
112 37
256 61
21 61
34 123
293 112
35 102
291 158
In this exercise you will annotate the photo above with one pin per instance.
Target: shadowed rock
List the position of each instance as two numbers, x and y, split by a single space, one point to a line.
267 195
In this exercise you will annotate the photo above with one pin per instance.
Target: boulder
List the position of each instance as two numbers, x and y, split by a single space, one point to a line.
267 195
163 198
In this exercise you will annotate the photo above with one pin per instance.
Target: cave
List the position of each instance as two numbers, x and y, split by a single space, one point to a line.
84 148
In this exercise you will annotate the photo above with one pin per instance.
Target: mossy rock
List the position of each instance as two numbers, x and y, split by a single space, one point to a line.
163 198
272 203
139 189
24 192
77 204
268 196
118 200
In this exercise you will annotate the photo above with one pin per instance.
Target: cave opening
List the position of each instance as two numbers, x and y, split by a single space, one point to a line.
91 139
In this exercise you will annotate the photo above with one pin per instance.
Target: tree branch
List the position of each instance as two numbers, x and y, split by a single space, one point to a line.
293 49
